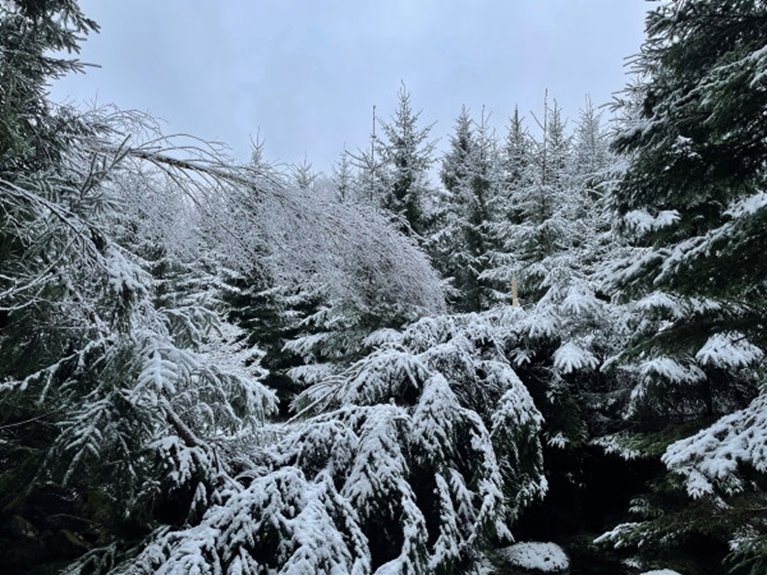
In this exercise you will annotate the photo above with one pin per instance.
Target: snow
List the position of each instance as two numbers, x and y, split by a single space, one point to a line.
542 323
629 268
749 205
661 301
759 58
661 572
436 417
125 277
571 357
615 445
713 456
616 536
643 222
318 530
580 300
559 440
422 398
671 370
545 557
728 350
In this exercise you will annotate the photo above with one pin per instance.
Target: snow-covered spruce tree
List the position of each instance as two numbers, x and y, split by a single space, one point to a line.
266 309
515 156
406 156
694 196
414 459
304 176
591 146
560 332
542 204
444 236
114 420
516 176
269 315
370 177
465 237
364 274
112 386
31 136
517 150
533 196
338 269
343 178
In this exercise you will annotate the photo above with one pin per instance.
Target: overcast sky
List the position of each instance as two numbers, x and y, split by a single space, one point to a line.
306 73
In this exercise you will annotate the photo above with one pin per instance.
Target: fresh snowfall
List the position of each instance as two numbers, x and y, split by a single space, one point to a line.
541 351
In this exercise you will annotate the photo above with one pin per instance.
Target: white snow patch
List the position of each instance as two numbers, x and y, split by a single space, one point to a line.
728 350
661 572
546 557
749 205
580 299
485 567
662 301
712 456
383 337
670 370
571 357
642 221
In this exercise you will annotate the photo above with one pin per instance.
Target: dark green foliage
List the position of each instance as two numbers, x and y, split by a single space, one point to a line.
31 137
270 317
693 204
705 90
700 143
465 236
105 334
697 161
406 155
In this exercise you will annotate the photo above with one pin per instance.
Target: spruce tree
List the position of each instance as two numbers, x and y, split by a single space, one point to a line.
342 178
406 153
690 196
466 238
692 201
118 369
540 201
303 176
591 144
516 152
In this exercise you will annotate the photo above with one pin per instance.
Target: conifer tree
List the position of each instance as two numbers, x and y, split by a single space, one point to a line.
516 176
342 178
692 196
516 152
537 229
118 369
370 176
265 309
304 176
690 200
406 153
466 239
590 143
561 329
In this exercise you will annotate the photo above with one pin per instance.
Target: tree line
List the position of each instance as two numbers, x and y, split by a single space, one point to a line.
215 367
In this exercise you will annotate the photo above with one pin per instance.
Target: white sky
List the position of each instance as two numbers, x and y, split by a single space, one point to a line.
306 73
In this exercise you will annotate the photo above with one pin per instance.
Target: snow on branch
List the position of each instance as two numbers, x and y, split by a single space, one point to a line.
713 458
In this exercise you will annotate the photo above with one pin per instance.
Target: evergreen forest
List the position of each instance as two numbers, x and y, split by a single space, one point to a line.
541 350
